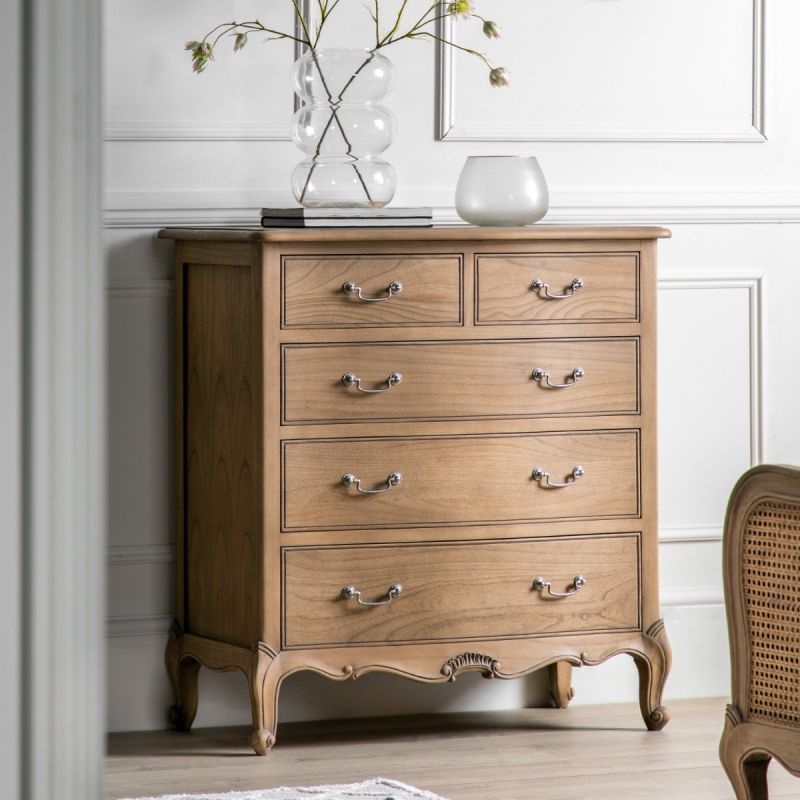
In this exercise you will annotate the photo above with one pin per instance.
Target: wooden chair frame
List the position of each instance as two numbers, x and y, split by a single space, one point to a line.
754 735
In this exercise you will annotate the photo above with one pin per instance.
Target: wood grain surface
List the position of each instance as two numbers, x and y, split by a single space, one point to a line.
460 591
610 288
223 417
586 753
460 479
449 233
313 295
267 429
451 380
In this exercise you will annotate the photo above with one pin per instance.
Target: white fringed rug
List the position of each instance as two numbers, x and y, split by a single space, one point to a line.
376 789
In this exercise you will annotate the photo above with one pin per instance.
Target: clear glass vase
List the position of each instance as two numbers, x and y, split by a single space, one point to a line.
343 129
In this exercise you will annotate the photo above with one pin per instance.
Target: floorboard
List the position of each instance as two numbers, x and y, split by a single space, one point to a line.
583 753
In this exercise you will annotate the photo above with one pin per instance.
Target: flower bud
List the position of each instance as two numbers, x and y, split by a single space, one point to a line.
202 53
499 77
490 29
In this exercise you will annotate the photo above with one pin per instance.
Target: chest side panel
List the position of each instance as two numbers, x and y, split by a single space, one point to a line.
222 451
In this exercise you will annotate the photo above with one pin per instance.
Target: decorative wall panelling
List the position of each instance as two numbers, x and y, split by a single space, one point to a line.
130 123
570 207
732 430
619 29
722 199
202 109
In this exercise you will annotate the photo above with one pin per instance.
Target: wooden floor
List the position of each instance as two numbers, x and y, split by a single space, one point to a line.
584 753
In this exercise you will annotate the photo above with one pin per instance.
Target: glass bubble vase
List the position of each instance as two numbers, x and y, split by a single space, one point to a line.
343 129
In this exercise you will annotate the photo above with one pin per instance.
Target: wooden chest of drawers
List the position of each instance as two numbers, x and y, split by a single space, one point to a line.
415 451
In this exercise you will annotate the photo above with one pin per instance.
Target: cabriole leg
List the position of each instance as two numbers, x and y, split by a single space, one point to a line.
748 777
653 665
561 690
265 680
182 670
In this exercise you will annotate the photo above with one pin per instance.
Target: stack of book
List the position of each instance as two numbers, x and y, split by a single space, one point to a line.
347 217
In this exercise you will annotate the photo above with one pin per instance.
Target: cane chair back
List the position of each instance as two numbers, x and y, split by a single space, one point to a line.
761 573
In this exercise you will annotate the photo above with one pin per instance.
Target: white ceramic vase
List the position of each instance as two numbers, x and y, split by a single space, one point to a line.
505 191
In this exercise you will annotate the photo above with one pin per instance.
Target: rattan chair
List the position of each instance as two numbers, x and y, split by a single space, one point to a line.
761 561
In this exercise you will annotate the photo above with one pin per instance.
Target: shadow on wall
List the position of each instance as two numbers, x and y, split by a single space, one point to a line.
140 398
306 696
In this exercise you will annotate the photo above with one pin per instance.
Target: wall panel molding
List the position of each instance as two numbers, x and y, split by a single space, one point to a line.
129 626
693 596
591 206
146 287
449 129
680 534
753 283
130 554
210 130
202 131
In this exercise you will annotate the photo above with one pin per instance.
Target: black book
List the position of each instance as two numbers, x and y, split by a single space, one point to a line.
361 214
347 222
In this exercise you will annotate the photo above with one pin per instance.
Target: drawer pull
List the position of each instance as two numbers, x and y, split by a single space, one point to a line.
350 592
540 375
545 482
395 287
351 379
392 481
543 289
578 582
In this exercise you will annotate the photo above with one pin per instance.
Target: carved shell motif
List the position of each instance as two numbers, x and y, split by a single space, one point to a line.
464 661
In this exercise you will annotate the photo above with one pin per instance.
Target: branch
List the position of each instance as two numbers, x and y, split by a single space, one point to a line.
430 35
388 38
303 25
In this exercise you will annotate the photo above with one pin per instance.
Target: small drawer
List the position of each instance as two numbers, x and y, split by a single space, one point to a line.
435 480
568 287
369 291
452 380
485 590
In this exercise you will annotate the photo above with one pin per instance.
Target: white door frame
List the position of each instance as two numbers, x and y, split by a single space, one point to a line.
52 481
10 403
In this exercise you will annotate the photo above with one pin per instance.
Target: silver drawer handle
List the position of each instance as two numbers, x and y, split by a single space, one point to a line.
578 582
350 592
540 375
544 478
543 289
392 481
395 287
351 379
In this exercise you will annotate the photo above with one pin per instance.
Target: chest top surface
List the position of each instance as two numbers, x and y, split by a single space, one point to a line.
462 233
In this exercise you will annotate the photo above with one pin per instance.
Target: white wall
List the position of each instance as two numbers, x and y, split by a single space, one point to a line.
682 113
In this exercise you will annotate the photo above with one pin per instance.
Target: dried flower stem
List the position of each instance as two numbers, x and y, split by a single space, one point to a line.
203 52
335 115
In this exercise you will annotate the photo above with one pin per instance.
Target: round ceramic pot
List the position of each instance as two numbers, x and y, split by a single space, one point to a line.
503 191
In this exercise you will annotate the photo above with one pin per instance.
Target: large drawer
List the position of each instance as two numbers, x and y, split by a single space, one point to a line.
363 290
358 382
566 287
459 479
460 591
